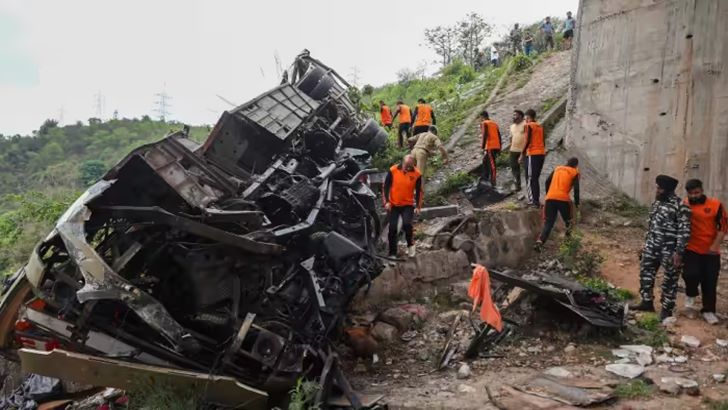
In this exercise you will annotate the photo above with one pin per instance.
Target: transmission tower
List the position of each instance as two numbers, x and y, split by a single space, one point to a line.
99 104
162 104
354 76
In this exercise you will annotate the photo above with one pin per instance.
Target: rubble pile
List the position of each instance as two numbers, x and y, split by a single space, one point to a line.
237 257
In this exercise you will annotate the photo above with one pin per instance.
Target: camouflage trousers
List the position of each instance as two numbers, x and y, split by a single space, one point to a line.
652 259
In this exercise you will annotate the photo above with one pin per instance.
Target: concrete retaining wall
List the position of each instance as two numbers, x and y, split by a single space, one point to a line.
494 238
649 92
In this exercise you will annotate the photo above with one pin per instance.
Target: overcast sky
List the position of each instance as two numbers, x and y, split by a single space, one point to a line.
57 57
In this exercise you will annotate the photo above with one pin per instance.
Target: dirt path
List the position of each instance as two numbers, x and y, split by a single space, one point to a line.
548 82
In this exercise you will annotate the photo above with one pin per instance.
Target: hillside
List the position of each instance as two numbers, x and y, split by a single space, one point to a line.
68 157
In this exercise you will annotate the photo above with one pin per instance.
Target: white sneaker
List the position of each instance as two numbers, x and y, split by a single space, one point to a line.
711 318
689 302
411 251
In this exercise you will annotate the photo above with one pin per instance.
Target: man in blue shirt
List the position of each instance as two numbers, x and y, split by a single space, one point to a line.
548 31
569 25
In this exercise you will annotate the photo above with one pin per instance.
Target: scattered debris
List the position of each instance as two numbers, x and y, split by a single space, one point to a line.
384 332
583 392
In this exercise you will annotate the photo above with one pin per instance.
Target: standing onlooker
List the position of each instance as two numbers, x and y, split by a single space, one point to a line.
424 145
548 31
708 227
402 199
386 114
518 142
494 57
405 121
490 144
528 43
667 235
569 26
423 116
516 39
535 154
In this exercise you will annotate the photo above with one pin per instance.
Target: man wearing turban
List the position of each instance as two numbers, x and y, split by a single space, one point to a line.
667 236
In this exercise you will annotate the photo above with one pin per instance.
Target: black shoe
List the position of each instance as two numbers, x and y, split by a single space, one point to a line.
538 246
644 306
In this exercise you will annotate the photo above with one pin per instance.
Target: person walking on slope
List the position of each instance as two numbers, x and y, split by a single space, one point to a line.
569 26
548 32
518 142
403 197
423 117
490 144
708 227
667 236
558 185
405 122
386 114
424 146
534 152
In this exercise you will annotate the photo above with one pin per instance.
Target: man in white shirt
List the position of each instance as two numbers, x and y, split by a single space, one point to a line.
494 57
518 143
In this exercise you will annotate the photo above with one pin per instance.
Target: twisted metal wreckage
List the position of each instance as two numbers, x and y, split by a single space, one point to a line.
236 258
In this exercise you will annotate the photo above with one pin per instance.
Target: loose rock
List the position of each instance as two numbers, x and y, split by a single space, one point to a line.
464 372
559 372
690 341
570 348
464 388
721 342
626 370
719 378
397 317
384 332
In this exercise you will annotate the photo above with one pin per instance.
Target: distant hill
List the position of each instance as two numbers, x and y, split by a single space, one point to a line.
68 157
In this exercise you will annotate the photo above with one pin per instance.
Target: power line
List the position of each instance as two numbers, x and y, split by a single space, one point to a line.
162 104
354 76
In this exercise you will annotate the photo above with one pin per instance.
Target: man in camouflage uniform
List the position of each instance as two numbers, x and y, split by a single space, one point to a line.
667 236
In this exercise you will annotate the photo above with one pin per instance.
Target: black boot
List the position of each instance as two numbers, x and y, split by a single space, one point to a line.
664 314
644 306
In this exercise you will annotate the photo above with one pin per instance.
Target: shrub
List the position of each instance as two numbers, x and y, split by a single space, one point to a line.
633 389
455 182
91 171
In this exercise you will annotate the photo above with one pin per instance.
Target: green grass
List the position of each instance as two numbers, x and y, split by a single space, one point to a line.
649 321
652 333
574 256
627 207
303 396
599 284
155 396
633 389
548 104
455 182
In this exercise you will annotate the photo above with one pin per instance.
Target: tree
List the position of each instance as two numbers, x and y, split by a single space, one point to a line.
367 90
443 41
91 171
406 75
47 125
471 32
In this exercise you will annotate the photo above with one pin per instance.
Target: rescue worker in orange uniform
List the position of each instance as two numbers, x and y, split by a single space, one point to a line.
558 201
386 114
423 116
701 262
490 144
405 122
535 155
403 199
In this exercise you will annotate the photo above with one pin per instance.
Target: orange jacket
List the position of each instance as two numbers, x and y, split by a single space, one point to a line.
561 182
424 115
386 114
402 188
706 220
405 114
535 144
490 137
479 291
